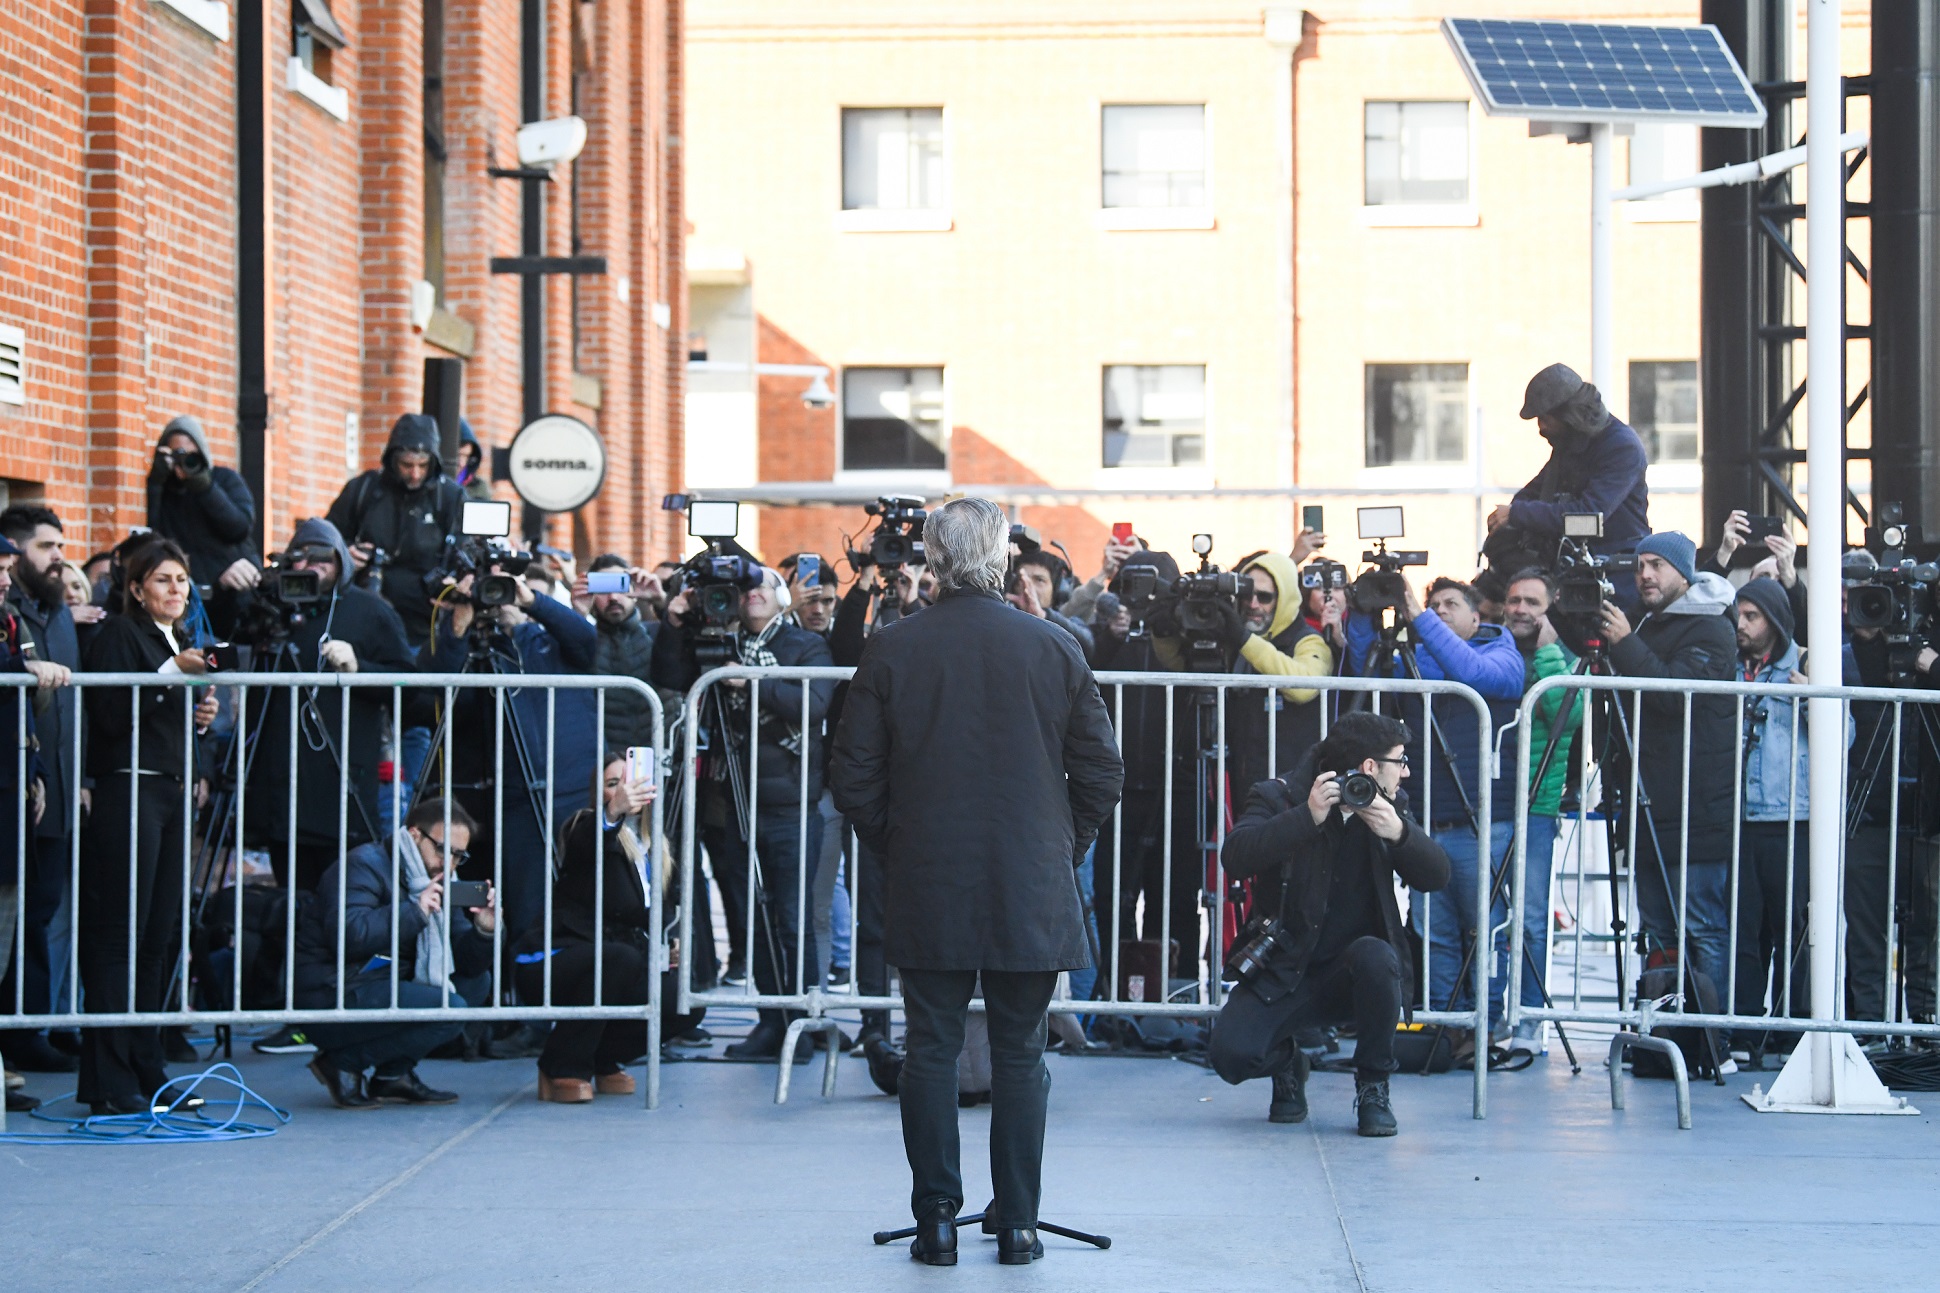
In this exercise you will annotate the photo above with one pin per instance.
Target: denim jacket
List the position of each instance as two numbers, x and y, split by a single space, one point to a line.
1776 763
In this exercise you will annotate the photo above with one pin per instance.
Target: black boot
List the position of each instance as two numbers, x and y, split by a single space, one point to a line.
346 1089
1019 1245
936 1235
1372 1106
885 1062
1290 1091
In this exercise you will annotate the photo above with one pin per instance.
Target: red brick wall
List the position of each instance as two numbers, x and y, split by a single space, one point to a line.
118 247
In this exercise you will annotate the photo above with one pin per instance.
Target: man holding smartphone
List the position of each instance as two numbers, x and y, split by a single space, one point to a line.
611 592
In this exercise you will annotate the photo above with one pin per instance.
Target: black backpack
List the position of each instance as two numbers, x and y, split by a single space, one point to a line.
1702 1054
259 944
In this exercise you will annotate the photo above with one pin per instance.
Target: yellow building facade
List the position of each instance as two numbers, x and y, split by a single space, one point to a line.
1191 265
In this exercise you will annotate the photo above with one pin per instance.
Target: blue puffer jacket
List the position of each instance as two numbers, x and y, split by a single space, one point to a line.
1490 663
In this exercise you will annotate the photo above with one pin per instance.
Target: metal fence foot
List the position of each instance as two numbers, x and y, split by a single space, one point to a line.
1625 1041
830 1030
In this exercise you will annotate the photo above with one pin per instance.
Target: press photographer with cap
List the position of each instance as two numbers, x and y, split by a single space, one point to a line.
1596 464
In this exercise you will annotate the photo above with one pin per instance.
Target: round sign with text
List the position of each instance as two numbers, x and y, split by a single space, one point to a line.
558 463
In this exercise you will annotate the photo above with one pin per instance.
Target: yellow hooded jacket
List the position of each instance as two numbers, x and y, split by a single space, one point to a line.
1312 657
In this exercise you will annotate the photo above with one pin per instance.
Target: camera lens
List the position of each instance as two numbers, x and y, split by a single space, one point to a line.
1357 790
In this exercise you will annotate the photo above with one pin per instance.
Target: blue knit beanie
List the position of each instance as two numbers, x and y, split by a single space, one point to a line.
1676 548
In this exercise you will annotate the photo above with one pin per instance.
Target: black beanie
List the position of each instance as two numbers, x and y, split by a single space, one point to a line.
1770 597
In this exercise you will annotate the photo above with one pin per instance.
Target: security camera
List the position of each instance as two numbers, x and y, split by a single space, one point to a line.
545 144
818 395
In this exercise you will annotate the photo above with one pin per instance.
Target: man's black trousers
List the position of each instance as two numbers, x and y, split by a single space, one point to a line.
780 862
937 1005
1763 921
1254 1038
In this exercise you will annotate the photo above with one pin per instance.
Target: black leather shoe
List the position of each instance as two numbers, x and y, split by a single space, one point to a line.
1019 1245
346 1089
764 1043
936 1235
409 1089
1371 1105
885 1062
31 1053
1290 1091
21 1102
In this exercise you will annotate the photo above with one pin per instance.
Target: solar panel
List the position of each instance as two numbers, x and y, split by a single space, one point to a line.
1582 71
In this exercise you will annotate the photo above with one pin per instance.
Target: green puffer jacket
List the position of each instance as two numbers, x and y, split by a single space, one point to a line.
1546 796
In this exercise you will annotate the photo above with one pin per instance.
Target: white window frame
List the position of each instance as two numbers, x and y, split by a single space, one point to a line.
209 16
1425 215
1134 219
1421 475
14 392
876 220
913 479
1199 475
305 84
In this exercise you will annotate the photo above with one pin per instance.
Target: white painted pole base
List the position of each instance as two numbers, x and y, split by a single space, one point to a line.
1827 1073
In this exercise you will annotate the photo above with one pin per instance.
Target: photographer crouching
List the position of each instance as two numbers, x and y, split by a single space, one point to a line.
731 612
1323 845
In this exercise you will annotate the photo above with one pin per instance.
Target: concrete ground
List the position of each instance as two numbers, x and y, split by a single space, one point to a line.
722 1189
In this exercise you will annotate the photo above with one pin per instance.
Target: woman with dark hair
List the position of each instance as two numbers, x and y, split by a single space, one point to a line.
601 849
133 844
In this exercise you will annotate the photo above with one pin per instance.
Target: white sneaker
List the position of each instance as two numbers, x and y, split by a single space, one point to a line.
1729 1067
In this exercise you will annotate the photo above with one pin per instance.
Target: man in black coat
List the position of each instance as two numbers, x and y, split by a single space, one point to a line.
408 508
1687 631
788 774
975 756
1326 874
208 510
51 652
625 647
351 629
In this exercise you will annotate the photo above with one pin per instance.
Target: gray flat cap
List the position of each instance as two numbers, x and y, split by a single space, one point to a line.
1549 389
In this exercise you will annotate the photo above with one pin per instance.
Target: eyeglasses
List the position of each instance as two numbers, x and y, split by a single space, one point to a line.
1403 760
456 856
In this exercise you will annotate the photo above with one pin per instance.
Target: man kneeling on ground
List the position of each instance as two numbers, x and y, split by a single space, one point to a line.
1324 871
430 952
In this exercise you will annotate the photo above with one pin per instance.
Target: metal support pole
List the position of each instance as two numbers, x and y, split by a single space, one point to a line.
1602 293
1827 1073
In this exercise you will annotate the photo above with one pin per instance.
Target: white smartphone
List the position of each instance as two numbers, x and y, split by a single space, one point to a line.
639 764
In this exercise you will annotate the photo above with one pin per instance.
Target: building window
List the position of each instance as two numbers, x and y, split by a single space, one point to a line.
1155 156
1664 408
1417 153
1416 413
434 146
1155 415
892 160
892 419
317 36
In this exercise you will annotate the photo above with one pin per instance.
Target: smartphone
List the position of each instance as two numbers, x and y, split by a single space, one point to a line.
1754 549
1121 532
808 570
609 581
639 764
1311 518
463 895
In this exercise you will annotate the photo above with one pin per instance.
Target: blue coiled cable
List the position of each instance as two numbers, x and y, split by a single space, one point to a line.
174 1125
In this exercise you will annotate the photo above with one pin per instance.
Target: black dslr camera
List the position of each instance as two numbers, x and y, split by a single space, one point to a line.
1384 587
1582 576
1139 590
1899 598
1358 790
483 551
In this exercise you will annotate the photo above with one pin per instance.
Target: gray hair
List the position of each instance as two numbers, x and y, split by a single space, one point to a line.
967 544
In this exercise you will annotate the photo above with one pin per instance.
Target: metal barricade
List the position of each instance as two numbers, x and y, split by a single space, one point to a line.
1199 998
1731 903
522 714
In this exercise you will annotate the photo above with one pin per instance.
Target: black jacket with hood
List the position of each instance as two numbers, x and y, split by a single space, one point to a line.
374 631
1276 843
411 525
1693 637
210 514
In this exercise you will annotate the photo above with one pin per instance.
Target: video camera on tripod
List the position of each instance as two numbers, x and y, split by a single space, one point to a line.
715 580
897 539
280 601
482 550
1383 588
1899 598
1199 600
1583 577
